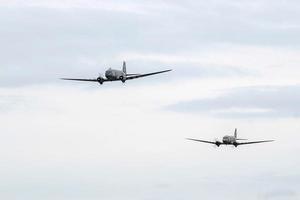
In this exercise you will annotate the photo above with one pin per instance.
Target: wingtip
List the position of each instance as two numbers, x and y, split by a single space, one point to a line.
65 79
167 70
189 139
270 141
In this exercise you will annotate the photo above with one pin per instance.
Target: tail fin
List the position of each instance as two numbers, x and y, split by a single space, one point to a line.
235 135
124 67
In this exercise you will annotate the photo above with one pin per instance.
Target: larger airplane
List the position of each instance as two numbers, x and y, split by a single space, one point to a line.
116 75
230 140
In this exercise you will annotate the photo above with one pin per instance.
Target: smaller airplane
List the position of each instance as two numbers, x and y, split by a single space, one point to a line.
116 75
230 140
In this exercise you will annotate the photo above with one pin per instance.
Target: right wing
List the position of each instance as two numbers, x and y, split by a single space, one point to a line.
204 141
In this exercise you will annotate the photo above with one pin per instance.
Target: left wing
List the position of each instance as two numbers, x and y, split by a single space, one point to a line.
255 142
205 141
99 80
134 76
79 79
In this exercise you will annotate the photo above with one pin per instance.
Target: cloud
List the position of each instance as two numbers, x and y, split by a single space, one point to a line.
280 194
127 6
248 102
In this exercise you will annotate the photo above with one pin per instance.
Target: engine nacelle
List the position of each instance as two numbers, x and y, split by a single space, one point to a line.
218 143
100 80
122 78
235 144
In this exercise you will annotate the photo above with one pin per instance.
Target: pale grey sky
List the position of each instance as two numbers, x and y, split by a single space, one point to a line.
236 65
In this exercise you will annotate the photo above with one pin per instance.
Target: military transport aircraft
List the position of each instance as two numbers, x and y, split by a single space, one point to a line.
230 140
116 75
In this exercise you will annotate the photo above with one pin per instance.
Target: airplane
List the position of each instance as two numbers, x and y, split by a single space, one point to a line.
116 75
230 140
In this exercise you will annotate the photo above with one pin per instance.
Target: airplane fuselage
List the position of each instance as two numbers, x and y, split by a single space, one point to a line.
113 74
227 140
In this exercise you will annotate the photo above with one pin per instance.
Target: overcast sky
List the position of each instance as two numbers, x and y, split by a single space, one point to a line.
235 65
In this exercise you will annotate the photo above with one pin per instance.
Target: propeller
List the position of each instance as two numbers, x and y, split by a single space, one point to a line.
217 142
123 78
100 79
235 144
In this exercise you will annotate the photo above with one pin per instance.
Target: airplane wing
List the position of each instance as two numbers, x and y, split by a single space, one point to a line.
204 141
78 79
255 142
134 76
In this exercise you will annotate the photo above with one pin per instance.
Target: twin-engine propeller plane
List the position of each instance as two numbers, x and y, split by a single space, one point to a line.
116 75
230 140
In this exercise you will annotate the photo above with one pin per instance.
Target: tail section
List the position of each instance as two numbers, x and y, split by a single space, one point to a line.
124 67
235 135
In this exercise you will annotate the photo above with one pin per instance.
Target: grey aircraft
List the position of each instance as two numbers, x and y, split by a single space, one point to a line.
230 140
116 75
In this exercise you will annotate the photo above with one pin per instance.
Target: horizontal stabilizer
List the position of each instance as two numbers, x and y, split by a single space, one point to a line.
132 74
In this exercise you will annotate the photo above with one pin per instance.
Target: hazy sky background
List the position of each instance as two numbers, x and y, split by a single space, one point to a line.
235 65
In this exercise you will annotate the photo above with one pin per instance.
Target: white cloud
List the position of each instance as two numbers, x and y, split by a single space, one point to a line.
270 65
248 102
134 7
243 56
